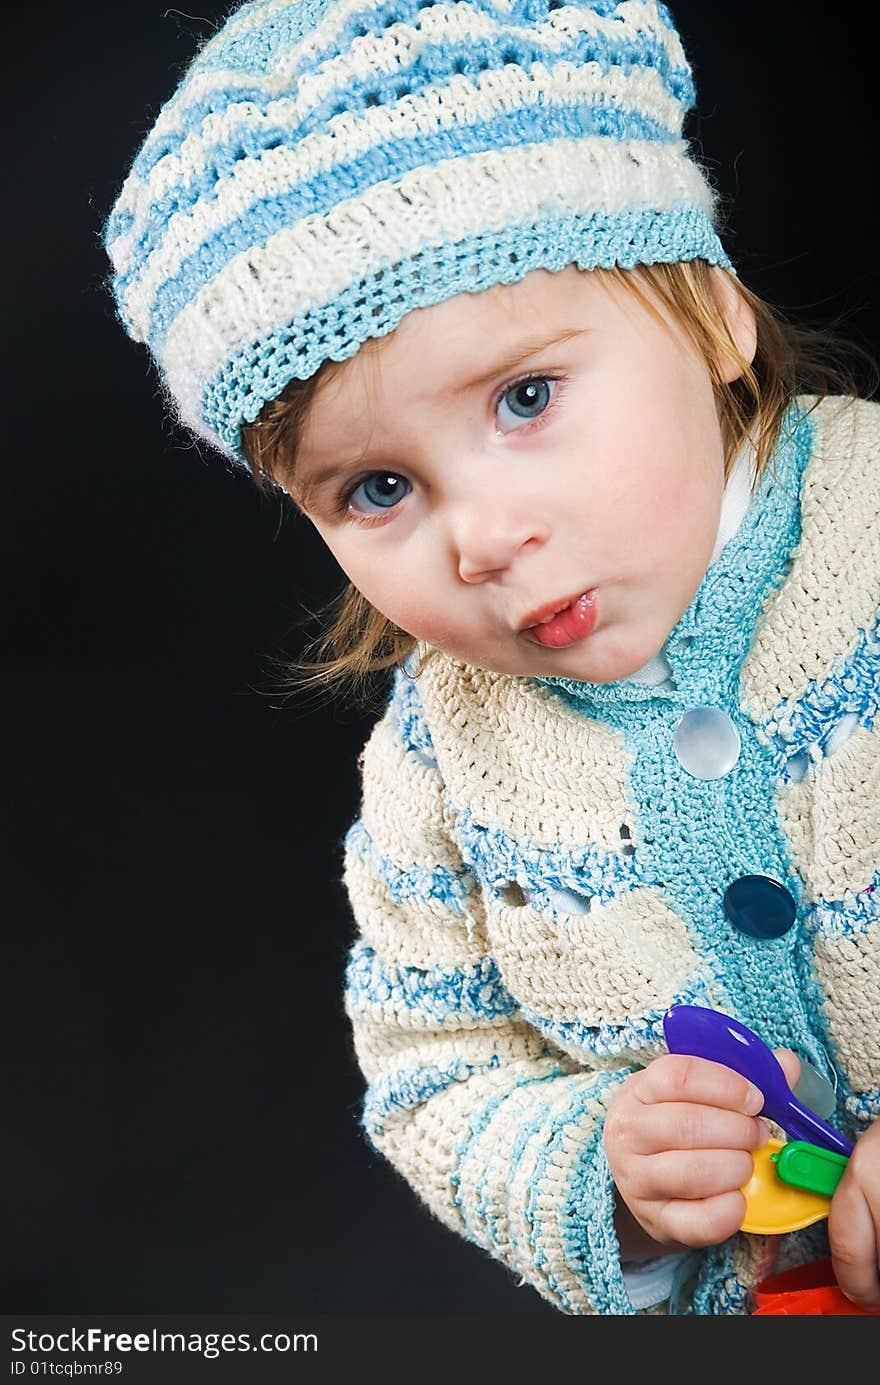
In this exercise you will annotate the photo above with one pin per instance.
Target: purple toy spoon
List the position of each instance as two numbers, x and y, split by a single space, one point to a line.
710 1034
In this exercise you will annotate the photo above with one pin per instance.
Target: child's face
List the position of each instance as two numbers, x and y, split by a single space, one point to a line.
490 501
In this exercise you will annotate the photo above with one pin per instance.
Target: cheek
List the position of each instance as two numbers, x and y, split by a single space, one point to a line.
394 592
384 578
370 576
668 486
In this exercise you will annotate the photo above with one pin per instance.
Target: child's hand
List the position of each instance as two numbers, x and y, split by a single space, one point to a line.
854 1223
679 1136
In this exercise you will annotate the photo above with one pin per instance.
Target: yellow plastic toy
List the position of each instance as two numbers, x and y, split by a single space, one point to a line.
773 1207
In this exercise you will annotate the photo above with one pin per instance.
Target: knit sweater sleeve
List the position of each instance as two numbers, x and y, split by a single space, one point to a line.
498 1131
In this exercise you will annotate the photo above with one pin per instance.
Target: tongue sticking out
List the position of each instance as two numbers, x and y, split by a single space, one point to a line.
574 623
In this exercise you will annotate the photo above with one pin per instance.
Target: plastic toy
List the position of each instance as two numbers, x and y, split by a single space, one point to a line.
793 1182
773 1206
807 1166
808 1291
710 1034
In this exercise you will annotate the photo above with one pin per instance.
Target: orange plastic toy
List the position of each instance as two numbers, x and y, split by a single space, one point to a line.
810 1290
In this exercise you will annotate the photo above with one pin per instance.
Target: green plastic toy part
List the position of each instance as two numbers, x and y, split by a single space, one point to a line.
807 1166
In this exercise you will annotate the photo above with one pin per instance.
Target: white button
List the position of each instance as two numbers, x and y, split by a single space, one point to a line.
706 743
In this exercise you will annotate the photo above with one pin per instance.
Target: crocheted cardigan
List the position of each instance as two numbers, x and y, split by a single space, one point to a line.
536 879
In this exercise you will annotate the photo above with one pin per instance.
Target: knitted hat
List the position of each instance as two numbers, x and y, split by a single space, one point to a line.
326 166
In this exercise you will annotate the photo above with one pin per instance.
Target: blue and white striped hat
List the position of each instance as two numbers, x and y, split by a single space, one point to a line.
325 166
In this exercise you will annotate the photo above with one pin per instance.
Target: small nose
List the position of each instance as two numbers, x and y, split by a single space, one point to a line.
488 537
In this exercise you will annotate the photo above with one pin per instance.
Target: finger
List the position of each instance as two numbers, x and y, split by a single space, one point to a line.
669 1125
690 1175
853 1238
705 1222
790 1064
678 1077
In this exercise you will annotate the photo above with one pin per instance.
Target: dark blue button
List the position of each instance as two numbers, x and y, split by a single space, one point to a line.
759 906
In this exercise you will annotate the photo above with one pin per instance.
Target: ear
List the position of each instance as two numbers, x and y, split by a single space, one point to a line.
737 316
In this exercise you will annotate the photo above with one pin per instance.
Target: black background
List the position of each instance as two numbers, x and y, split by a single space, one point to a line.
179 1123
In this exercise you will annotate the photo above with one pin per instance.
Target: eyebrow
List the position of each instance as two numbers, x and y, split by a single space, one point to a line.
303 492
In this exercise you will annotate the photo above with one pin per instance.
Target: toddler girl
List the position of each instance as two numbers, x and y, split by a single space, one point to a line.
447 275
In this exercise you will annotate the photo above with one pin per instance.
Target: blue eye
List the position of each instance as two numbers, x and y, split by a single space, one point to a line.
531 394
382 488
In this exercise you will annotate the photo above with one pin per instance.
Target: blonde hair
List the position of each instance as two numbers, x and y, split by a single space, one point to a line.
359 642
